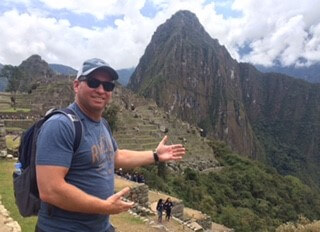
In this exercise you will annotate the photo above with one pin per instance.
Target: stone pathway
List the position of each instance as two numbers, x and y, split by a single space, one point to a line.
7 224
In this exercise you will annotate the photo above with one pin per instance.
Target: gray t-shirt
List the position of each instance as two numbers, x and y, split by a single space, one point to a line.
91 168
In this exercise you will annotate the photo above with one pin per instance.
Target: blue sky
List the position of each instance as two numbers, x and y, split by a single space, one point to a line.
68 31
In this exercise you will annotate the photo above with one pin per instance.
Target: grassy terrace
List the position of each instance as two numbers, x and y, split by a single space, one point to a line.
16 110
6 191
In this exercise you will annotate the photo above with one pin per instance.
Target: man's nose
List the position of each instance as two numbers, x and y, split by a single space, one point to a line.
100 88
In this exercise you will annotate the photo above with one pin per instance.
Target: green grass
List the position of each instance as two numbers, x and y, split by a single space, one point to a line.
14 129
17 110
6 191
12 142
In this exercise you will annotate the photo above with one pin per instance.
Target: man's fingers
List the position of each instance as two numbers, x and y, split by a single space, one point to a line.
177 146
122 192
129 204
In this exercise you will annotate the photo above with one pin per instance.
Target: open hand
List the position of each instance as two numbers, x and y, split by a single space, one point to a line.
116 205
170 152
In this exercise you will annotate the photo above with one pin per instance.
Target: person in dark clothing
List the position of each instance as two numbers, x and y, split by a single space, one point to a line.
160 210
141 178
167 207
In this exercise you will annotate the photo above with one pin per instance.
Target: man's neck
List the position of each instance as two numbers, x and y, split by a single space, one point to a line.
95 116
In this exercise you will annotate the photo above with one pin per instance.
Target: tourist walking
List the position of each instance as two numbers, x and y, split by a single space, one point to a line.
167 207
160 210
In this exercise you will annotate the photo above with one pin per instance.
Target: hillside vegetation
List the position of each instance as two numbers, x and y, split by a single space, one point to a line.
244 195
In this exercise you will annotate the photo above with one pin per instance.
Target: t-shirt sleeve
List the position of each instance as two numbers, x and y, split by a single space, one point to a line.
55 142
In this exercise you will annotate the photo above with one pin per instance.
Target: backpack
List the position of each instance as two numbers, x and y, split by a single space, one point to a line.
25 185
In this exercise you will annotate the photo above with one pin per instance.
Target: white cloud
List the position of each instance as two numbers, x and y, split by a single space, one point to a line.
10 2
286 30
97 8
274 29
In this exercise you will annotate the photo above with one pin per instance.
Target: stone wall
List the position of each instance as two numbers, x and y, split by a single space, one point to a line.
2 136
139 194
205 222
7 224
19 115
177 210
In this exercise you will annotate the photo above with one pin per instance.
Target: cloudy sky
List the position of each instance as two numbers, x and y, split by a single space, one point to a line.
267 32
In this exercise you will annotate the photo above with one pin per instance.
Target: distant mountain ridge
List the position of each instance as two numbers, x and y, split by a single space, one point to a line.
63 69
124 75
36 68
270 117
310 74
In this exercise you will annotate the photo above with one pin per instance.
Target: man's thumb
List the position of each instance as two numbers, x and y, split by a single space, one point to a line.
164 140
122 192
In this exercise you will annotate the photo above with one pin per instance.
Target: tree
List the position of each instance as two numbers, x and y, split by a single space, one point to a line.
110 114
14 76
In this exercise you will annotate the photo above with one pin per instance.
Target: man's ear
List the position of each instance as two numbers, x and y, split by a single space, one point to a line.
76 84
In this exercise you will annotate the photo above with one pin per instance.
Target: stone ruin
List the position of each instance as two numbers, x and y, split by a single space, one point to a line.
2 136
139 193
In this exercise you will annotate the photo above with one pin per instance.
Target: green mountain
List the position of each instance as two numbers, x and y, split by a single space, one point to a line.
269 117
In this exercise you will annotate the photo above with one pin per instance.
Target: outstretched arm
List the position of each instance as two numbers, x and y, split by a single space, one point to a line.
131 159
55 190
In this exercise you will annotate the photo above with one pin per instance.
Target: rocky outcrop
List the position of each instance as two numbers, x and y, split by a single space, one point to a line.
7 224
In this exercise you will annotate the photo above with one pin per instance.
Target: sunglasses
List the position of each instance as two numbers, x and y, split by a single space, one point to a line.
94 83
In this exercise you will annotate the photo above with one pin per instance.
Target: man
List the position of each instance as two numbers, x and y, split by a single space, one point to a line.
80 185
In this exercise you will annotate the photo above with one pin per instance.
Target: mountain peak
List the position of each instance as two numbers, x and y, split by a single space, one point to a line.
36 67
184 22
34 58
184 17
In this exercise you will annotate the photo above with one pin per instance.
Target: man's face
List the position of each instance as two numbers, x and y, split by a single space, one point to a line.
93 99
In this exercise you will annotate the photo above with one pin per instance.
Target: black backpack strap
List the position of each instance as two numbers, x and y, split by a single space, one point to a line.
77 126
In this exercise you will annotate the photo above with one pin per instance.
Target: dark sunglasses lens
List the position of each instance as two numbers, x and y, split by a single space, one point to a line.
94 83
108 86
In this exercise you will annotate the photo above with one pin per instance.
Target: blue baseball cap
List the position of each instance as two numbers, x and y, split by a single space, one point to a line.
93 64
